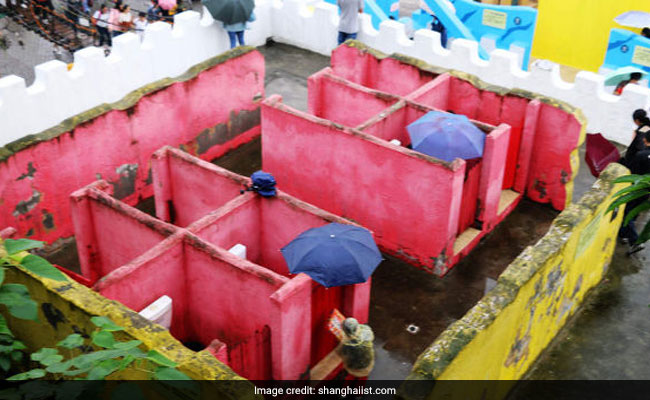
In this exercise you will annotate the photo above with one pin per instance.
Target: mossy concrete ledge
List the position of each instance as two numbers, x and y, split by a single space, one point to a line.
67 307
126 103
506 331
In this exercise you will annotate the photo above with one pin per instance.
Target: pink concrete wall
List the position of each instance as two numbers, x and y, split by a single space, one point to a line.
392 125
492 171
434 94
228 296
207 114
546 179
276 232
380 186
160 271
218 295
333 98
526 146
235 222
388 75
194 187
556 137
110 234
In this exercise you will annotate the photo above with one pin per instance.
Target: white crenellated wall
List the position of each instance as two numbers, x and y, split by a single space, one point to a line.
606 113
57 93
165 52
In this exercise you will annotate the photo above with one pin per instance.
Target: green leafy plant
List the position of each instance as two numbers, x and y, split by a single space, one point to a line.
16 296
114 356
640 187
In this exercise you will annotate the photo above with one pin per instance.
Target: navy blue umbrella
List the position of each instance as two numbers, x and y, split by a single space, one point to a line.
333 254
446 136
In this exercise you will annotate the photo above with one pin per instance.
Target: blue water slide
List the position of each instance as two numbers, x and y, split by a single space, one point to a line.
455 27
507 26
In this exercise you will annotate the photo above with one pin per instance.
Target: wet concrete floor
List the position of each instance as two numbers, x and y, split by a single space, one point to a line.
403 295
609 338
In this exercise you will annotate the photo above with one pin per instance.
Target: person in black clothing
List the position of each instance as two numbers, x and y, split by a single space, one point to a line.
154 12
437 26
641 120
640 165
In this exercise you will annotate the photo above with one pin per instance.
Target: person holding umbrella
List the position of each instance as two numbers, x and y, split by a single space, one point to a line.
635 77
236 31
235 15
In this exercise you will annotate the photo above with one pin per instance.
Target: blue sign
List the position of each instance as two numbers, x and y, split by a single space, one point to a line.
626 48
506 25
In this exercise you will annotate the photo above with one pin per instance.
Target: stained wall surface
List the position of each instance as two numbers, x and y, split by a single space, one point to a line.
351 169
272 324
213 107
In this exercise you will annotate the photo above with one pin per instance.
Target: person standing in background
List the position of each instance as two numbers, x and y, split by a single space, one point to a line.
114 18
349 19
640 118
236 31
100 19
635 77
153 12
640 165
141 24
126 19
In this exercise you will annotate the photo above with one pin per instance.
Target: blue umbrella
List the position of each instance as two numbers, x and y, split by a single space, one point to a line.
333 254
446 136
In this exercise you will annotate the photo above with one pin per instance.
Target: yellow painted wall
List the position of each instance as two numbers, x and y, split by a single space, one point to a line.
576 32
500 337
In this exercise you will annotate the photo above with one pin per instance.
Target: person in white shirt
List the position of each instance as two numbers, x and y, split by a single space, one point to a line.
141 24
125 21
100 19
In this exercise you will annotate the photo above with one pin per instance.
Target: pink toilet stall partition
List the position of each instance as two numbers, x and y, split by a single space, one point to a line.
411 201
186 188
250 313
110 233
207 114
390 124
386 74
354 104
546 132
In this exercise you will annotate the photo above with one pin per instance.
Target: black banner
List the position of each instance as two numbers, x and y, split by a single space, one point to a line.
336 389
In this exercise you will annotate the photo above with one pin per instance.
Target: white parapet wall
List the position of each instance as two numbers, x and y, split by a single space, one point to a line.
58 94
94 79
